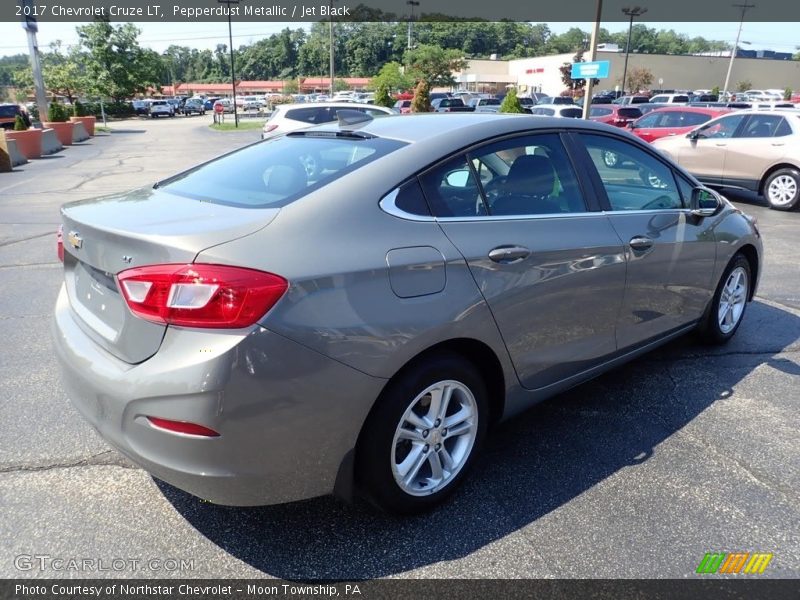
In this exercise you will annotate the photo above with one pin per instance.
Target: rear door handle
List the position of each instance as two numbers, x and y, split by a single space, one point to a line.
508 254
640 242
778 144
721 144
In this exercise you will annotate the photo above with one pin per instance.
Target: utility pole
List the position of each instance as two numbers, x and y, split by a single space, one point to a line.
636 11
31 28
233 68
744 8
412 4
587 98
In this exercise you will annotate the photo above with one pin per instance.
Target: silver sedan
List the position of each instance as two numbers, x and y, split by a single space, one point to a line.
255 331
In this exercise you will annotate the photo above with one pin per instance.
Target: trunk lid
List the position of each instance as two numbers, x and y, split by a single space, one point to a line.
145 227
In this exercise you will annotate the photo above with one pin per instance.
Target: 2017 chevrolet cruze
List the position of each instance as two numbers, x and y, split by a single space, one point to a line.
256 331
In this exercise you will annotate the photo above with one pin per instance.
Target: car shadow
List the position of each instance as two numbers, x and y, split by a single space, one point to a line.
531 465
115 131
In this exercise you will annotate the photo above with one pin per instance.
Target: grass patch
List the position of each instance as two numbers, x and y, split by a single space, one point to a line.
102 129
243 125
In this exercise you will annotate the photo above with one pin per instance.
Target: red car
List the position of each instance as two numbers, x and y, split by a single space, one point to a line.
613 114
673 121
404 106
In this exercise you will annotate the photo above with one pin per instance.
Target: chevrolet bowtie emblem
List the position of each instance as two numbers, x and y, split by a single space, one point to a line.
75 240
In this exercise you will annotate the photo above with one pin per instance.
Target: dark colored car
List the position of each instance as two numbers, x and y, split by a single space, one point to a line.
8 115
141 107
194 106
447 105
208 103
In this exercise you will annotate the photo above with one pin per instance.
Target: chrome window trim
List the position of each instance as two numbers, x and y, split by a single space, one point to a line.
387 204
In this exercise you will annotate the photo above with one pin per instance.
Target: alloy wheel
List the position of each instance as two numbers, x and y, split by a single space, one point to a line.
782 190
732 300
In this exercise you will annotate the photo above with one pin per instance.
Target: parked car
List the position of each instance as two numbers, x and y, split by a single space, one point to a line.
194 106
403 106
225 103
557 110
254 335
678 120
161 108
637 99
208 103
755 150
647 107
8 115
291 117
141 107
176 104
484 104
449 105
614 114
672 99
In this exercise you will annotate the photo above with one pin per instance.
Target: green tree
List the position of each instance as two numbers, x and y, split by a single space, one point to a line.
787 93
422 98
744 85
291 86
62 73
19 124
639 78
434 65
391 77
382 97
511 103
116 65
340 85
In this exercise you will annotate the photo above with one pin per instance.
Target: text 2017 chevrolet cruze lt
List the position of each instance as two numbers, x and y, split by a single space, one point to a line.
353 306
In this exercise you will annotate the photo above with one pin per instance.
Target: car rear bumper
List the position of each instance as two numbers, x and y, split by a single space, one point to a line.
287 416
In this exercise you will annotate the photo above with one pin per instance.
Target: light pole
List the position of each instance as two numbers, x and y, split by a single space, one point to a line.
233 70
744 8
632 12
31 28
412 4
587 99
330 34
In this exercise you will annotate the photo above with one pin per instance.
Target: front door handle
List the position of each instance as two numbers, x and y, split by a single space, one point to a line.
508 254
640 242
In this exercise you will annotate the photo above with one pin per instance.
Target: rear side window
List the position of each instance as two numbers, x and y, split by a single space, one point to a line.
311 115
680 98
277 172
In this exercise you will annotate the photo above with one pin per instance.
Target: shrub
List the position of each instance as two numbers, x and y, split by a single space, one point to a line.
382 97
19 124
57 113
511 103
422 98
787 93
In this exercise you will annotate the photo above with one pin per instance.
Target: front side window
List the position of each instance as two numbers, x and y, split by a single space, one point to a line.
654 119
638 180
724 127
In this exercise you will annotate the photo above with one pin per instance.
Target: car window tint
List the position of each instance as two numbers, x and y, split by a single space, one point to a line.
692 119
277 172
529 175
452 190
637 181
596 111
721 128
783 128
760 126
312 115
410 199
574 113
651 120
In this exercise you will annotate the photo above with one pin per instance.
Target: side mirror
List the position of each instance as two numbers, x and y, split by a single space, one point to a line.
631 125
704 203
458 178
693 135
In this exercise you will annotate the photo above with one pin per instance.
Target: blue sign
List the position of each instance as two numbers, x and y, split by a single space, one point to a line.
591 70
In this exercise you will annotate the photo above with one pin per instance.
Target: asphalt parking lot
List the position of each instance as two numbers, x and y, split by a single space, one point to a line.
637 474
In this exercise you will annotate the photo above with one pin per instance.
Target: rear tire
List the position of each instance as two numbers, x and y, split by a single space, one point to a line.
782 189
423 435
728 305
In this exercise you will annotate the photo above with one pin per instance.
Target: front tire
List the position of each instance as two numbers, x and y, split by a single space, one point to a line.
423 435
782 189
729 302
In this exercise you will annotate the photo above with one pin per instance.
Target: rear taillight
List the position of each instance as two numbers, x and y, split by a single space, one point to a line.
60 242
182 427
200 295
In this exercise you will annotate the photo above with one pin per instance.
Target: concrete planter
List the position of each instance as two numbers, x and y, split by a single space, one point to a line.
63 131
79 133
29 142
50 143
88 123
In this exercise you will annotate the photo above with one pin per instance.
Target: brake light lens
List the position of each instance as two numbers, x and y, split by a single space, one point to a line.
60 242
200 295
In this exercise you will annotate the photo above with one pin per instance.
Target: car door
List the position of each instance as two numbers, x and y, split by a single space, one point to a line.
703 153
758 144
670 254
551 270
650 126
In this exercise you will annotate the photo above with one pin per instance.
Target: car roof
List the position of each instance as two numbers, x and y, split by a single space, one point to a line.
463 128
332 105
693 109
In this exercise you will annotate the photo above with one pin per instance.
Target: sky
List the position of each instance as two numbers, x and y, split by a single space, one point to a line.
780 37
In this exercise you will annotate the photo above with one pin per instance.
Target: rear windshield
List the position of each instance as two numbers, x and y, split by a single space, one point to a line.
276 172
629 113
574 113
595 111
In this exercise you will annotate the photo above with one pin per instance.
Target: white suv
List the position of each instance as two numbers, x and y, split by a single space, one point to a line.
161 107
670 99
289 117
